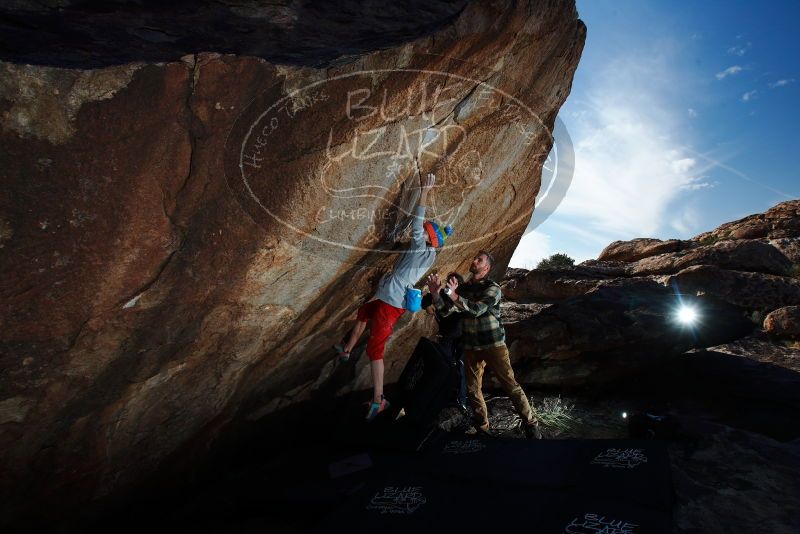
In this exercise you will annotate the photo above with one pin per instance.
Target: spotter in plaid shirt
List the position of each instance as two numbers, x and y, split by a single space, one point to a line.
479 306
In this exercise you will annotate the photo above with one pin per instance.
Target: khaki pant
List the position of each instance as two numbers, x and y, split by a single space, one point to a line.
496 358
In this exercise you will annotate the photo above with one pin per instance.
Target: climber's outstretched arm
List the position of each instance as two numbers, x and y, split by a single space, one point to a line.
417 234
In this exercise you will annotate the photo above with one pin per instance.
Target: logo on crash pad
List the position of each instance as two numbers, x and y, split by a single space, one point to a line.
397 500
621 458
336 161
596 524
463 446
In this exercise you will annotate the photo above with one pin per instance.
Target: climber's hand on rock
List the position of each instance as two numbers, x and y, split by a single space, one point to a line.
430 180
426 187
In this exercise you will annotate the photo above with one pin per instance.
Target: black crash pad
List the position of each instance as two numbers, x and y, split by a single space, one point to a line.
475 484
632 470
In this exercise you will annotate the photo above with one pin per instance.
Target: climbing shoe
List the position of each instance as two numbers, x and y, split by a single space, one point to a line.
341 355
532 431
377 407
478 431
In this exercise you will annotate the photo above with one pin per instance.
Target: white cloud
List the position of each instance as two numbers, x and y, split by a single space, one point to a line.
683 165
686 222
740 50
692 113
698 182
713 162
781 83
730 71
749 95
532 248
630 164
634 174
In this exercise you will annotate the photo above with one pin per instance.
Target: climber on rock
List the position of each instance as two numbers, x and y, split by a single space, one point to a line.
383 309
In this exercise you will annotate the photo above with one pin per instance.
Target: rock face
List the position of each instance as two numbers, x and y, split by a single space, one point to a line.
789 247
736 481
637 249
784 322
743 255
281 31
778 226
609 316
780 221
757 292
547 285
611 332
181 242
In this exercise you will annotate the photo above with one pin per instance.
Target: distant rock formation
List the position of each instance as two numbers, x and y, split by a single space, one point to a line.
784 322
604 319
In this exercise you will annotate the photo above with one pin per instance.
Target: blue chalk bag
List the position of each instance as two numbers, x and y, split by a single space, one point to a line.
413 299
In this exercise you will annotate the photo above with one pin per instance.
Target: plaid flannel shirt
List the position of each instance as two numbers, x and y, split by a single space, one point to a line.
481 328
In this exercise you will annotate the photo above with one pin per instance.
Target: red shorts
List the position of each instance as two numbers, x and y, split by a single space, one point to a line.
381 318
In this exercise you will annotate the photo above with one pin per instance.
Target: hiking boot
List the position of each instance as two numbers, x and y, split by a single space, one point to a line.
532 431
478 432
377 407
341 355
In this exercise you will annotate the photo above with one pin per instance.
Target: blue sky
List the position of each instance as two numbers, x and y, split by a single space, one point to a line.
683 114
